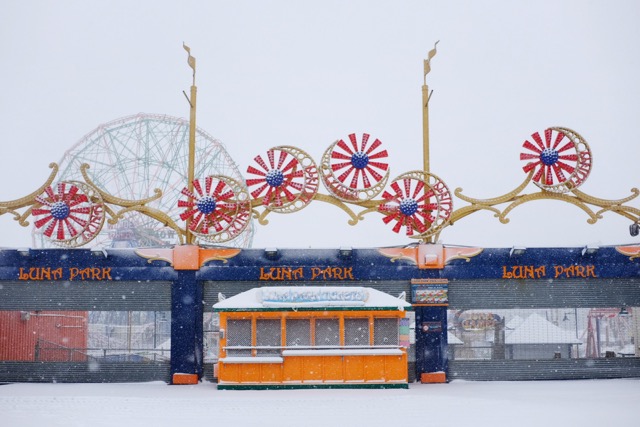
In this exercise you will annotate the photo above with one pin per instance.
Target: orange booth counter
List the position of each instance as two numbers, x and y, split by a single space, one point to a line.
313 337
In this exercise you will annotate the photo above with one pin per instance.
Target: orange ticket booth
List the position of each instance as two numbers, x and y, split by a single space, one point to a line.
313 337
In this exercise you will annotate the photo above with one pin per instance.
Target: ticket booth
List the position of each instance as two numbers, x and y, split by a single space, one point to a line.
313 337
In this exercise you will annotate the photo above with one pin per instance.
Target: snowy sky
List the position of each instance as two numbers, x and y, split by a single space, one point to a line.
307 73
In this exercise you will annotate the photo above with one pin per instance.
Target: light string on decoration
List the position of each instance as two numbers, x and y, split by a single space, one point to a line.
286 179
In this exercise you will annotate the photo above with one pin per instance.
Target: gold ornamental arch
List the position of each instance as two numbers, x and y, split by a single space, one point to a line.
285 179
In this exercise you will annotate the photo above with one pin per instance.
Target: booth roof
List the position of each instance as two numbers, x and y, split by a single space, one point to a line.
538 330
316 297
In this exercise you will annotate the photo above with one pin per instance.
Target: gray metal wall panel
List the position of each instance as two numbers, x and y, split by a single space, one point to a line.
502 294
76 372
553 369
207 372
229 289
86 296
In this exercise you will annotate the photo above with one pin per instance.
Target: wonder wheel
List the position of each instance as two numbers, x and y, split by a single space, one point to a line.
129 158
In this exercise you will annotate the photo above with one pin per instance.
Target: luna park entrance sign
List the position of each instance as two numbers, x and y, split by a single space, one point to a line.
285 179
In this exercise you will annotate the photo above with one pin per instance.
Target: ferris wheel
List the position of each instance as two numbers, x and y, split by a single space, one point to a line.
129 158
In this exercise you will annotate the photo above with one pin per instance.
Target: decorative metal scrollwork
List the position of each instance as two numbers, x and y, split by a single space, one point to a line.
558 164
219 208
285 180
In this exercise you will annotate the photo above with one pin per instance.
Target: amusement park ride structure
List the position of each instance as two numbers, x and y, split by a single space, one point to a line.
130 157
218 209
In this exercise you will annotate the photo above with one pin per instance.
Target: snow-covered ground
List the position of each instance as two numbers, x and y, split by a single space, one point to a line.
541 403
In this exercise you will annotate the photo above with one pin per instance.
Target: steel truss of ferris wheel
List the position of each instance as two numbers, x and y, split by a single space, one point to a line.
142 159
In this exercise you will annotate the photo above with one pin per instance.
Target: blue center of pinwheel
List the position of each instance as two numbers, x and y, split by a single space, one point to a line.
206 205
549 156
274 178
408 206
60 210
359 160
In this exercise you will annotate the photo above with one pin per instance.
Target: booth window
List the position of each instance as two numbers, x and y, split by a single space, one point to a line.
385 331
356 332
239 335
268 334
298 332
327 332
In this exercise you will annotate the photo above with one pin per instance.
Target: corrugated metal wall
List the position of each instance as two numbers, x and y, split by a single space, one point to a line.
73 372
552 369
34 315
538 294
501 294
86 296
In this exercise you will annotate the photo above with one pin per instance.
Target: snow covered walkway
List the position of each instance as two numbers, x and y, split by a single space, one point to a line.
568 403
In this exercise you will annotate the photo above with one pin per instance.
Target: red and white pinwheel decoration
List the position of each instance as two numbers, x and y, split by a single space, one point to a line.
218 211
562 160
418 201
355 171
71 214
285 181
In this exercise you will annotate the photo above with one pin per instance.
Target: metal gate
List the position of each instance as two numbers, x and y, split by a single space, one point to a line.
89 331
543 329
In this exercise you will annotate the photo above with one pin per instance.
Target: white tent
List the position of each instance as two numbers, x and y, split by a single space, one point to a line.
535 329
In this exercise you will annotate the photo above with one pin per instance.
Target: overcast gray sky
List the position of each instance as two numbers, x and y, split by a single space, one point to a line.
307 73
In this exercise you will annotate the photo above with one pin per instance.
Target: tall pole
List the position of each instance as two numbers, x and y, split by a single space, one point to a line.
425 110
425 128
425 122
192 137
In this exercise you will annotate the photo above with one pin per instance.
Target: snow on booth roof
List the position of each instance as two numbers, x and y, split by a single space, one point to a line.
293 297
